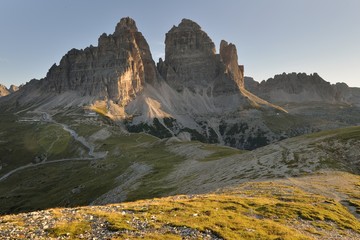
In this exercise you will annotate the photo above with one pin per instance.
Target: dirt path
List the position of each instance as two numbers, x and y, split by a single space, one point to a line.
93 155
42 163
46 117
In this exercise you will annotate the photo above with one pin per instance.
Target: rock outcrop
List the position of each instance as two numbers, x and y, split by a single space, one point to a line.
191 62
301 87
115 70
228 54
13 88
3 91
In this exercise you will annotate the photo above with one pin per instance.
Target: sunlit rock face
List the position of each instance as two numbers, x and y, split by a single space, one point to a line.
116 70
13 88
229 57
191 62
3 91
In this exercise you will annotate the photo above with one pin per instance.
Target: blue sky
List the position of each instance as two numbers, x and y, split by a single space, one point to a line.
272 36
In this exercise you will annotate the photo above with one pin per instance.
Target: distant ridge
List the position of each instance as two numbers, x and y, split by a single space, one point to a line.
301 87
6 91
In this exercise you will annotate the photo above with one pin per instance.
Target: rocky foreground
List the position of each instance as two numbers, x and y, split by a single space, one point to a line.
255 210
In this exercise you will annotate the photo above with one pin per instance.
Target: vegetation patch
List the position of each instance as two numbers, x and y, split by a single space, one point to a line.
69 229
220 152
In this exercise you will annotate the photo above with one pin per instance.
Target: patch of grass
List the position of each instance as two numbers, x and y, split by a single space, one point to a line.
151 236
86 130
116 221
289 202
70 229
220 152
283 121
13 219
223 215
313 231
341 134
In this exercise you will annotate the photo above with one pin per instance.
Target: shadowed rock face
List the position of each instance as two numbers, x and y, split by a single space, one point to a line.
300 87
13 88
191 61
116 70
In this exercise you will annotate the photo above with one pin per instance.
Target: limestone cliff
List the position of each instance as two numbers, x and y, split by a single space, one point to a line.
13 88
115 70
228 54
191 62
3 91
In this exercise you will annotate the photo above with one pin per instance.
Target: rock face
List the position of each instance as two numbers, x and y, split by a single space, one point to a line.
3 91
229 57
191 62
300 87
13 88
115 70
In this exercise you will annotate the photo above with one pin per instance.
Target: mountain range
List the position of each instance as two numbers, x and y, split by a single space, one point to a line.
194 93
277 159
303 88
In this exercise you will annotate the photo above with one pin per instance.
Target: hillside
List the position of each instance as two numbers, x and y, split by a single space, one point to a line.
75 158
295 208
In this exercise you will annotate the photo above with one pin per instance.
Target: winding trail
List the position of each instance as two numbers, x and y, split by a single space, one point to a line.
46 117
93 155
42 163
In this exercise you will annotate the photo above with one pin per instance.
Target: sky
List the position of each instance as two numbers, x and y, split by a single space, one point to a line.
271 36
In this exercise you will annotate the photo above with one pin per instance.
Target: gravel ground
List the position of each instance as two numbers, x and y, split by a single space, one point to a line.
38 225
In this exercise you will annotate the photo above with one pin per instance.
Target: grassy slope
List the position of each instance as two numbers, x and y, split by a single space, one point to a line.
80 182
75 183
254 210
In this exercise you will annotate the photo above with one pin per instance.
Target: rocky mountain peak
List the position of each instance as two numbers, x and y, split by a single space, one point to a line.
3 91
187 39
126 24
187 23
116 69
13 88
228 54
191 61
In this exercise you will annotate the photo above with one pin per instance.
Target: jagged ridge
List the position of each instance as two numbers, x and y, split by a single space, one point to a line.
301 88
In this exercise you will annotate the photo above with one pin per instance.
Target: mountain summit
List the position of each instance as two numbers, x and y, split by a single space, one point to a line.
3 91
191 61
115 70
